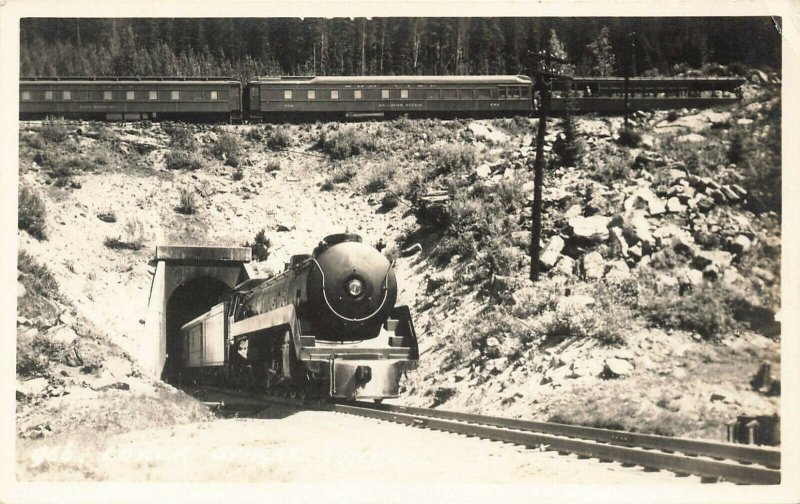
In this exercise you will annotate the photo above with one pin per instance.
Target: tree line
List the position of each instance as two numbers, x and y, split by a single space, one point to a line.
247 47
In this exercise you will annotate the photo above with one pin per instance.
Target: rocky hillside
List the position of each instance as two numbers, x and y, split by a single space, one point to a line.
661 258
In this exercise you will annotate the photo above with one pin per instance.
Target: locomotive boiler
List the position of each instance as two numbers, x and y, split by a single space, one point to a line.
326 326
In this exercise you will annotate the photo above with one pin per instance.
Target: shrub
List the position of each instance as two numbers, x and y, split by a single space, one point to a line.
736 150
273 165
327 185
187 204
34 354
377 177
279 138
180 160
53 131
629 137
226 147
260 246
31 213
133 240
238 174
451 158
342 174
705 309
346 142
37 279
255 134
108 216
181 137
672 115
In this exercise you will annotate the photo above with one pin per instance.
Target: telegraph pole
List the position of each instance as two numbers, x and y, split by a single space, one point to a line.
544 79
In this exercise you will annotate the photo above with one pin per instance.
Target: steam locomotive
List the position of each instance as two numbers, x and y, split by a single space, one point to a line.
327 326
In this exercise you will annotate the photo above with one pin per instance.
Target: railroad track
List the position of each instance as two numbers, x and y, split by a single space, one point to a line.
711 461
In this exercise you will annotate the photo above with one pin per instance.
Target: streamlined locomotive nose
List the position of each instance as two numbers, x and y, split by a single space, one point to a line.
353 286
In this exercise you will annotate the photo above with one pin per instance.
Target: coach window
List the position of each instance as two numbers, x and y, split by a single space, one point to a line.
48 95
214 95
107 95
334 94
129 95
26 95
513 92
484 93
287 95
153 95
385 94
312 95
404 93
357 94
175 95
66 95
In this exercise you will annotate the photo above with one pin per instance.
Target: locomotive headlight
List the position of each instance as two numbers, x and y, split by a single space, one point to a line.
355 287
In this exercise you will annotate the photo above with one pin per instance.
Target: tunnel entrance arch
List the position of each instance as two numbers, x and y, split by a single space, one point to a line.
187 281
189 300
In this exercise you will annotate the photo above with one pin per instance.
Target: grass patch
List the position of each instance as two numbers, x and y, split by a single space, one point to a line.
31 213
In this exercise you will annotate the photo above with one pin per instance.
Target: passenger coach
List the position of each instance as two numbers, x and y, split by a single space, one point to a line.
275 97
110 98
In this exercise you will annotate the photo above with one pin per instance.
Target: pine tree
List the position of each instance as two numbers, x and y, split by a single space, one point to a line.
601 55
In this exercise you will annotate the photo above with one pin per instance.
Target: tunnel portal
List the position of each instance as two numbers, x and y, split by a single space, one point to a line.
187 281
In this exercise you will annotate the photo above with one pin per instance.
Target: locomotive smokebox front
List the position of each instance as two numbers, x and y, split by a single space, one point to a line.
352 289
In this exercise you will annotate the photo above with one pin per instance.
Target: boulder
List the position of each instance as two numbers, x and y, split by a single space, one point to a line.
718 258
588 367
32 388
740 245
20 290
593 266
619 246
573 211
591 229
483 132
521 238
637 228
674 205
617 368
565 266
549 257
62 334
618 271
691 137
643 197
483 171
690 277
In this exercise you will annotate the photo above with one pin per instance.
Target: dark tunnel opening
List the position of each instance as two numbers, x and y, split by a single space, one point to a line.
189 300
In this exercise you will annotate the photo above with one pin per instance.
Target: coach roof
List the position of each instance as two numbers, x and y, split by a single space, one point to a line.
401 79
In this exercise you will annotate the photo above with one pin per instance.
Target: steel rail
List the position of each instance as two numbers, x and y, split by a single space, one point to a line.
714 461
768 457
680 464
